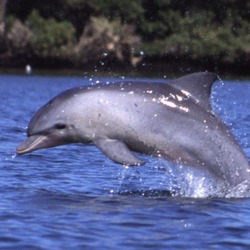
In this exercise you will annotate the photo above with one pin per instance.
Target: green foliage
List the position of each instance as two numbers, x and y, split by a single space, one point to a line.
217 30
49 37
104 40
9 21
126 11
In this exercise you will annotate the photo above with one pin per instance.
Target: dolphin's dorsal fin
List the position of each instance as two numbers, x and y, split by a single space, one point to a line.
198 85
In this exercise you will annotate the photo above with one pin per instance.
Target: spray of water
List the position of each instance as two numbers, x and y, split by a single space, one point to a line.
161 179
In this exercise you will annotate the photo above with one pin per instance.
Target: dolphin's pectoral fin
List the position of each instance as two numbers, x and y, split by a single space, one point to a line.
118 151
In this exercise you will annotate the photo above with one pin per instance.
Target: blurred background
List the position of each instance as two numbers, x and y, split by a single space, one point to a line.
167 35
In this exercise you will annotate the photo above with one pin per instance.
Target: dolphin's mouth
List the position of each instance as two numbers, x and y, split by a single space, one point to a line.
32 143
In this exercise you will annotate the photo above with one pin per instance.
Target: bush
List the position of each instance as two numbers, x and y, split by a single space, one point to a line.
106 40
19 38
196 35
50 38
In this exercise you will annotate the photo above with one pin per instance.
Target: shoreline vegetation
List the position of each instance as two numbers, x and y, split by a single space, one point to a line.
147 35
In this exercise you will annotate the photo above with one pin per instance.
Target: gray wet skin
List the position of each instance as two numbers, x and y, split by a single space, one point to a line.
172 120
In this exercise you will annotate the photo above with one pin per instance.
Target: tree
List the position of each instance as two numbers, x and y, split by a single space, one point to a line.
2 25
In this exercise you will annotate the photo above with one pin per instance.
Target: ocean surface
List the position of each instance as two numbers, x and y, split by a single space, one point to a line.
74 197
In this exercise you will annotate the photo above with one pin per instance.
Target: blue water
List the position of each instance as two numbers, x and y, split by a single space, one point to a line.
74 197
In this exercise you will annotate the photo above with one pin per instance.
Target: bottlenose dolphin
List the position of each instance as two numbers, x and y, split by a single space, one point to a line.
172 120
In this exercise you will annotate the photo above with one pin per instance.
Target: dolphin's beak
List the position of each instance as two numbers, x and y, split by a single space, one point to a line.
34 142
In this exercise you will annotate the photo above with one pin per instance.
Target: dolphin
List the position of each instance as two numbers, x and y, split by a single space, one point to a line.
172 120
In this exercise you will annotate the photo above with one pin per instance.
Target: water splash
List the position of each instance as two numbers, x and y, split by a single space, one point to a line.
240 191
12 157
163 179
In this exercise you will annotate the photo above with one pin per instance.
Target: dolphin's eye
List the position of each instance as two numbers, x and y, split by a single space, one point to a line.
60 126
